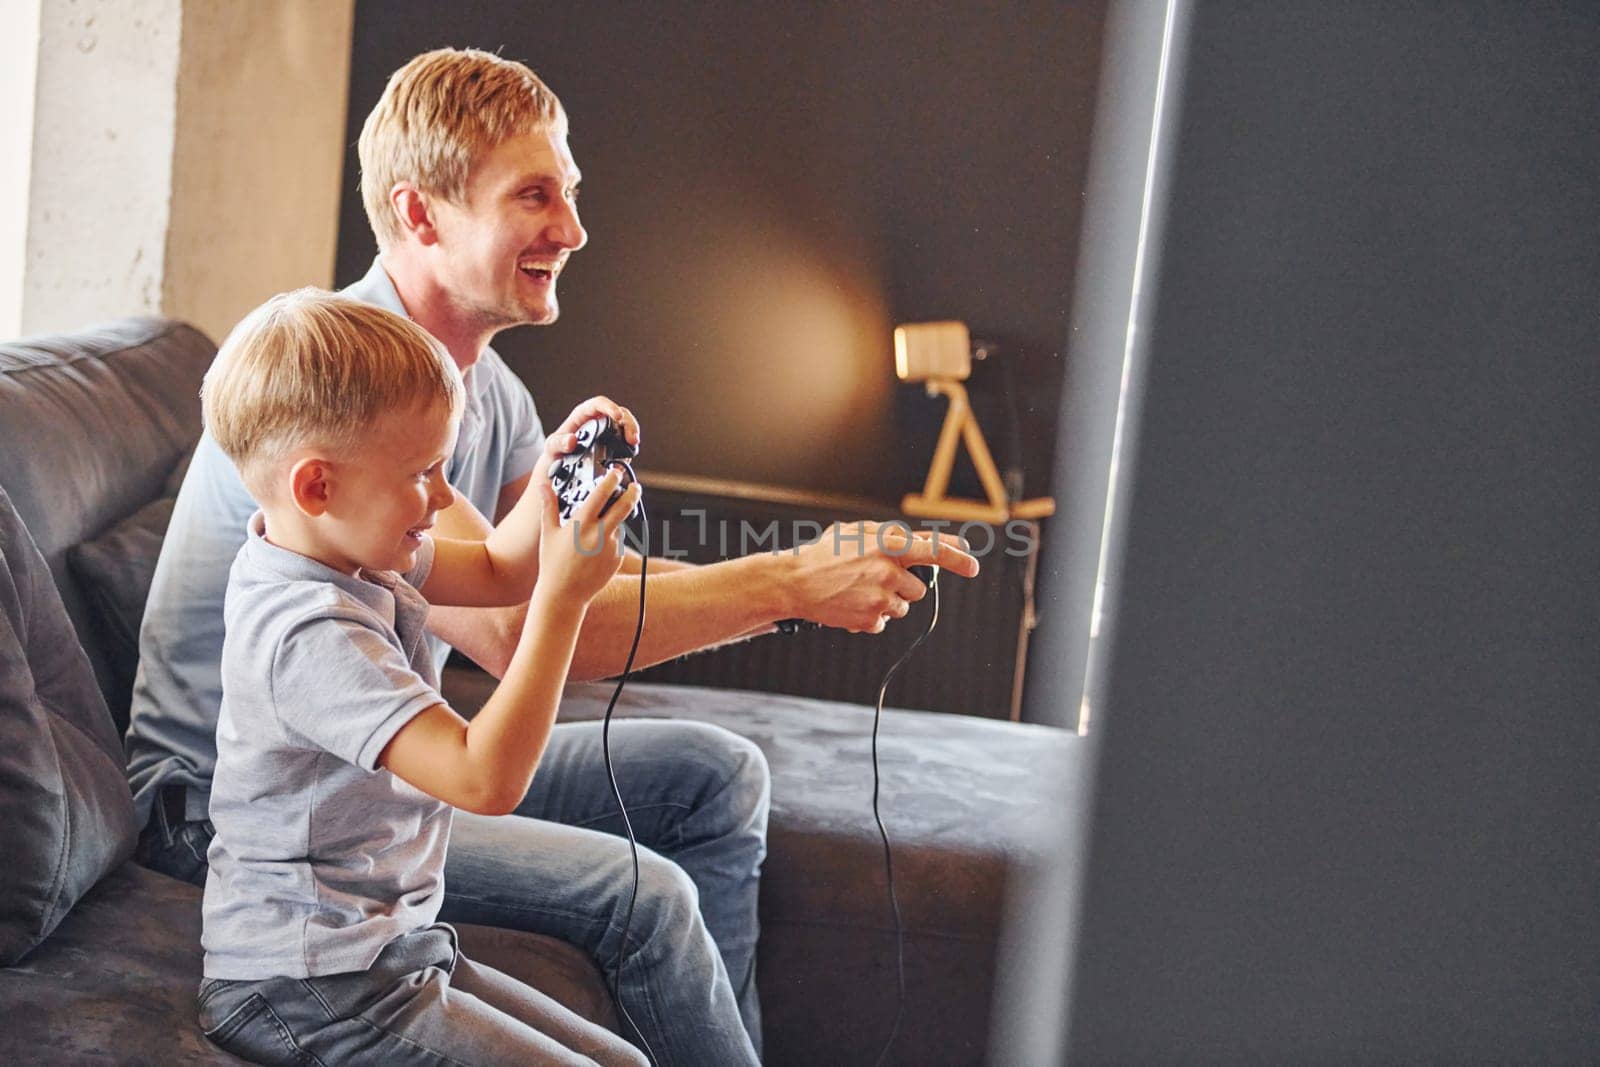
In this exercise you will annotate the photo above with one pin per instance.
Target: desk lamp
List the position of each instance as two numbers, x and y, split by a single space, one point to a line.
939 354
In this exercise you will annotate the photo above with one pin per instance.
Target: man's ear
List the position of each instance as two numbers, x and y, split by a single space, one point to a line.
414 211
311 485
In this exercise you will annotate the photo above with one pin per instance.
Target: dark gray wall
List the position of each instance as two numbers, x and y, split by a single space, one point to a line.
768 189
1348 803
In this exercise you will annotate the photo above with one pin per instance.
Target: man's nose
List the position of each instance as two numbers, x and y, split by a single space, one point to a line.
566 230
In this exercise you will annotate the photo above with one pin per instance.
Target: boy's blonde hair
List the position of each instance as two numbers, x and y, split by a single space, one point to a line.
438 116
313 368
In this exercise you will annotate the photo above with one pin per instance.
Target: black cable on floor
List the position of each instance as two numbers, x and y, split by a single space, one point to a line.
888 856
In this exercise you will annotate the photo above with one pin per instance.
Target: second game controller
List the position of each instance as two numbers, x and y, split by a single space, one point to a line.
928 574
601 446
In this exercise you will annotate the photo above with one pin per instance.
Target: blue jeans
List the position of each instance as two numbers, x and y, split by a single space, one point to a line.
697 796
420 1004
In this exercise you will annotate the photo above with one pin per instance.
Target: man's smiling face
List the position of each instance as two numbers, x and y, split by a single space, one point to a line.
503 247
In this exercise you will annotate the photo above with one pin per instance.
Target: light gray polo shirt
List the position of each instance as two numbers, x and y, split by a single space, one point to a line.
321 857
178 688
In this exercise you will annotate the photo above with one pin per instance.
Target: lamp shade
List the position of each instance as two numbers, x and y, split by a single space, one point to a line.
924 350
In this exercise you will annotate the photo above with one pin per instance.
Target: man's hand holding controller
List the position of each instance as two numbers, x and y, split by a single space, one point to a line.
859 576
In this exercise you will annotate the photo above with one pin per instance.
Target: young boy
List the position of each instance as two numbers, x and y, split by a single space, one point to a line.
338 764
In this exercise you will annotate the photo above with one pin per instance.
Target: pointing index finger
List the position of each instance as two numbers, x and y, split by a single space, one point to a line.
944 551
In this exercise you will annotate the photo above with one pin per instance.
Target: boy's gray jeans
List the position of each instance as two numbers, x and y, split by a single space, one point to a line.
421 1002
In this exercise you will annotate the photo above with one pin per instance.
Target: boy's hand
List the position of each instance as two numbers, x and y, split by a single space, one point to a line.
565 438
577 560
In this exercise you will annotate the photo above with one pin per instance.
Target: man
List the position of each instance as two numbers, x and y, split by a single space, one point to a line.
471 192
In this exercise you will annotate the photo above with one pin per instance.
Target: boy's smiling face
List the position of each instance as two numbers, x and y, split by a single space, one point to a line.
386 493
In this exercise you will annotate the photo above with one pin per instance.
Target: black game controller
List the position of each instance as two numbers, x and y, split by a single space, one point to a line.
601 446
928 573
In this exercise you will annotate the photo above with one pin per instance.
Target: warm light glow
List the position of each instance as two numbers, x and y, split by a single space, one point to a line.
900 353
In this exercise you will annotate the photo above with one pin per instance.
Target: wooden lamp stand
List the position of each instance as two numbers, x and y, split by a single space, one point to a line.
960 424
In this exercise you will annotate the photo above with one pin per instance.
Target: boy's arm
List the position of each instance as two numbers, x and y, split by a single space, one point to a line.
487 636
485 766
476 565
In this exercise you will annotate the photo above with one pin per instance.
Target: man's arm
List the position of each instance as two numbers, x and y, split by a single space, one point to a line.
487 636
658 564
855 582
690 608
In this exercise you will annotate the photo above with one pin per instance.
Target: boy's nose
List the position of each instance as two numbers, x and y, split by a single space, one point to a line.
442 496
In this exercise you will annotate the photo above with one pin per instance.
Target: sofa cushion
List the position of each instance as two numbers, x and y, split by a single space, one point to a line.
968 804
64 801
117 981
118 405
114 571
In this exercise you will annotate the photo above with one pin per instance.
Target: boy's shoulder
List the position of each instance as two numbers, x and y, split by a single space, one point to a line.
287 599
272 592
269 615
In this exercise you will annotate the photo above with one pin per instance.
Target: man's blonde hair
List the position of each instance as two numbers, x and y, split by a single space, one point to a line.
310 368
438 116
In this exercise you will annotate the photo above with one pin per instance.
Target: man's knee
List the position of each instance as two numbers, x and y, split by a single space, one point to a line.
734 779
668 900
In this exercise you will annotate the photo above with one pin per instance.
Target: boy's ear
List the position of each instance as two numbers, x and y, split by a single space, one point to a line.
415 213
311 485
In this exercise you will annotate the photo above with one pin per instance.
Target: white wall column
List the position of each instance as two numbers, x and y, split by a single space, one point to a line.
182 157
19 73
102 161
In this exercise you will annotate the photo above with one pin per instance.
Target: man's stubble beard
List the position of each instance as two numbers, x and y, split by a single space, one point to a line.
497 318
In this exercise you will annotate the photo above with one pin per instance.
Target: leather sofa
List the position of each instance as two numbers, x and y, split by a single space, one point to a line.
102 957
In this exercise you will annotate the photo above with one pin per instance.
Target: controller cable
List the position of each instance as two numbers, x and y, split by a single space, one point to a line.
633 844
605 747
888 857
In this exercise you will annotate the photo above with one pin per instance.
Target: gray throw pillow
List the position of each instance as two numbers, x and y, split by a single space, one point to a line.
114 571
64 801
